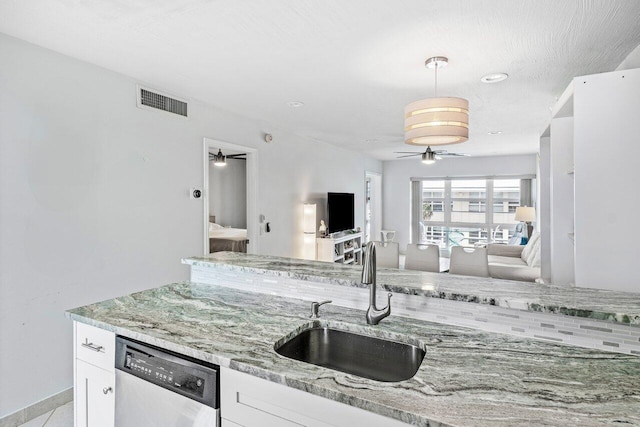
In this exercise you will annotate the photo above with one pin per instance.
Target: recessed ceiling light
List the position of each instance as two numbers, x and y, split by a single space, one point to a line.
494 77
495 132
295 104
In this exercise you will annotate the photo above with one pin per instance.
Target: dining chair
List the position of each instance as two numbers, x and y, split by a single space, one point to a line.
422 257
469 261
387 235
387 254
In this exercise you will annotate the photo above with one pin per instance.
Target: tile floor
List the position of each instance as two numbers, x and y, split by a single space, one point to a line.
62 416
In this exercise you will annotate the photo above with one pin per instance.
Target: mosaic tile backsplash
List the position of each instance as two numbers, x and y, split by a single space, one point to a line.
558 328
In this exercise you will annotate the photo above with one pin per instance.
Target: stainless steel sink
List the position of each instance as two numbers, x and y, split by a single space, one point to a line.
365 356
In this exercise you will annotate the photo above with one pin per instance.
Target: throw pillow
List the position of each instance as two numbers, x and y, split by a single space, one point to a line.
213 226
534 251
528 249
535 259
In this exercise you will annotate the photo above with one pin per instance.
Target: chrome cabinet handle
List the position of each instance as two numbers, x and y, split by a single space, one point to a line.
107 390
92 346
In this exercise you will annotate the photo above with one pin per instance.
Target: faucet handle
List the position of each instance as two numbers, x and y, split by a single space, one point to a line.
315 306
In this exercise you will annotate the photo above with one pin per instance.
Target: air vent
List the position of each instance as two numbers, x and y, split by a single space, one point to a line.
159 101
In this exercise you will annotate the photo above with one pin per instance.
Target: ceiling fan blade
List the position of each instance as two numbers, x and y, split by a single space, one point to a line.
407 152
455 154
231 156
409 155
446 153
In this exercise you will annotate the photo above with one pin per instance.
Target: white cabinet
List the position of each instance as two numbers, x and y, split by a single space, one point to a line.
346 249
245 400
591 210
94 396
248 401
94 376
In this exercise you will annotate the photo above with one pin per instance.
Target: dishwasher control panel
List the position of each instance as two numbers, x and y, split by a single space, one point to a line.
186 376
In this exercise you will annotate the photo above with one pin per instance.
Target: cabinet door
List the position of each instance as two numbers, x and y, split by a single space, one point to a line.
254 402
94 396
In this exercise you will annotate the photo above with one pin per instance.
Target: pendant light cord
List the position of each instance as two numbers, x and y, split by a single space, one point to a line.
436 88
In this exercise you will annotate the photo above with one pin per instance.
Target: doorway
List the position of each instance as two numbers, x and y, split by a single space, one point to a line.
372 206
225 208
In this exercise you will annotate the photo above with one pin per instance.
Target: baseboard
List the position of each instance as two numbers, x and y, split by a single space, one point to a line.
30 412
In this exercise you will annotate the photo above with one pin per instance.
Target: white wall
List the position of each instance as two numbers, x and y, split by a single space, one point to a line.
561 197
544 207
606 153
397 173
94 200
376 206
293 173
228 193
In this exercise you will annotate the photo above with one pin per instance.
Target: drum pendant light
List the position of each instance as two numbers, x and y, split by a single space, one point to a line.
436 121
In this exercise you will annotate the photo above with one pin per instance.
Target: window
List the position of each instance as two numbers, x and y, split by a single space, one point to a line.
468 200
454 211
432 195
506 198
477 206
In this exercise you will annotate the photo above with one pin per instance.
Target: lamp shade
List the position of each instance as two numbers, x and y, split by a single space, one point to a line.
525 213
436 121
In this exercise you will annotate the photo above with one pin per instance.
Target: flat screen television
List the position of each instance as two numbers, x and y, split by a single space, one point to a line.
340 207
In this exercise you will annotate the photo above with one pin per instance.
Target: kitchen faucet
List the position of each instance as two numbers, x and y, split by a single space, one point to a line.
374 315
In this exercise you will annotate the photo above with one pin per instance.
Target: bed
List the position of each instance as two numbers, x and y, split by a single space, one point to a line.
227 239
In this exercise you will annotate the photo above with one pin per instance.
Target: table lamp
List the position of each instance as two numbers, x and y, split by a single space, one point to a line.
527 215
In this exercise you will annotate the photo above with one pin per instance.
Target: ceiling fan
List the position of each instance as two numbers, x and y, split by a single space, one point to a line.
221 160
430 156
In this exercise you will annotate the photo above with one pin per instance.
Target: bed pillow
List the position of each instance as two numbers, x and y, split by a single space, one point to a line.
214 226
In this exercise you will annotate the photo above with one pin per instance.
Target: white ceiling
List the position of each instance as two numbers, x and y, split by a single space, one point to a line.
354 63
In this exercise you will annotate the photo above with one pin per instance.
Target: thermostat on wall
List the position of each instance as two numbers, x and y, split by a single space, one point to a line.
195 193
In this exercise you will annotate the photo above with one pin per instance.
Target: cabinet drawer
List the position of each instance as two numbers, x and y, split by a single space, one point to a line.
95 346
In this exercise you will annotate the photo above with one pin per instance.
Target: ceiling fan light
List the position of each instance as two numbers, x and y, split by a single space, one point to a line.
428 157
436 121
428 162
219 159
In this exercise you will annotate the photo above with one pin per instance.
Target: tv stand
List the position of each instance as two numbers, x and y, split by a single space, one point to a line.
341 248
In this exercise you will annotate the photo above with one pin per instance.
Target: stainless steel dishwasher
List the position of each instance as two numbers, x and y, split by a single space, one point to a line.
155 387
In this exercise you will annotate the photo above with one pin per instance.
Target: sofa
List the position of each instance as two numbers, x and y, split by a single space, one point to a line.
521 262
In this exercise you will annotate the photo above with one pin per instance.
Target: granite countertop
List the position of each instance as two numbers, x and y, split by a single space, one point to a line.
622 307
468 378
